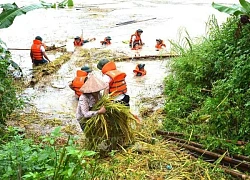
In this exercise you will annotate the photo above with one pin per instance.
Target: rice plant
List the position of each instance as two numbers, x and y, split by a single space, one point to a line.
111 130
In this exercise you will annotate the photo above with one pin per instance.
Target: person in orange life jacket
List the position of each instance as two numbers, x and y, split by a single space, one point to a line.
135 40
79 41
139 70
159 44
116 81
106 41
79 80
90 96
37 52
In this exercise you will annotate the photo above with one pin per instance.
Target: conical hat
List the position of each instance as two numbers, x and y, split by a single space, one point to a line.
93 84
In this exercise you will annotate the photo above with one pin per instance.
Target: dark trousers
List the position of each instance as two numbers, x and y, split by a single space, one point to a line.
134 44
125 100
37 62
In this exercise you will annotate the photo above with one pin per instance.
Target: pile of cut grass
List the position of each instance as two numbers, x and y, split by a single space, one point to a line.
111 130
155 158
93 55
47 69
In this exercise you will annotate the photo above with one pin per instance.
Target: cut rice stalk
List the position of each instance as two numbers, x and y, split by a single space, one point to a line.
112 128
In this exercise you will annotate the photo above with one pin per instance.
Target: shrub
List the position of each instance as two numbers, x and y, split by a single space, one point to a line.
53 158
211 80
8 97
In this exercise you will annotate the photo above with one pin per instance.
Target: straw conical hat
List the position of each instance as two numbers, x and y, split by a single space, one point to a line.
93 84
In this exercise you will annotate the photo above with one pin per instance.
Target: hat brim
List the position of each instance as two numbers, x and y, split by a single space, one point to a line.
93 84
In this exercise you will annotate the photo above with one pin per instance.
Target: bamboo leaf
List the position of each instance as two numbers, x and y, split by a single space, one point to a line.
63 3
233 10
11 11
246 6
45 4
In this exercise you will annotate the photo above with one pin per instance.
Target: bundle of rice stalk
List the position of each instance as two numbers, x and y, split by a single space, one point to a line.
111 130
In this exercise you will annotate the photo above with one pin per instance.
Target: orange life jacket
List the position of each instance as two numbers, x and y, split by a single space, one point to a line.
160 45
137 38
36 50
105 42
80 43
117 85
78 82
142 71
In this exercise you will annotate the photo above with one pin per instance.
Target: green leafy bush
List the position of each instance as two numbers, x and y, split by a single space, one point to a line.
208 92
8 97
22 158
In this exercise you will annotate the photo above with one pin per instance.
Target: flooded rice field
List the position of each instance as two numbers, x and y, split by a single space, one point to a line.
51 97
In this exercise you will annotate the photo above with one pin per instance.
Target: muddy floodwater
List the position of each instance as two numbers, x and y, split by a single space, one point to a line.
52 97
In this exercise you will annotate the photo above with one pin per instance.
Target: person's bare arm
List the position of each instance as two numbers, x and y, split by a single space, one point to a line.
106 91
81 35
132 43
107 80
46 57
71 85
102 110
142 42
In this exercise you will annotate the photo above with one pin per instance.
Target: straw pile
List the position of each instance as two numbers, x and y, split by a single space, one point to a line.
111 130
47 69
154 158
90 56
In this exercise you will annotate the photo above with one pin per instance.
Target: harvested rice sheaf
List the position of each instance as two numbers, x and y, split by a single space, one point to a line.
111 130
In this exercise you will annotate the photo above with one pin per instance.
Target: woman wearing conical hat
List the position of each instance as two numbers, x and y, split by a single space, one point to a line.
90 96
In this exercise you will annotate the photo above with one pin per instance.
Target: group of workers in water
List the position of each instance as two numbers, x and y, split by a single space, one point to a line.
135 41
112 74
38 55
86 86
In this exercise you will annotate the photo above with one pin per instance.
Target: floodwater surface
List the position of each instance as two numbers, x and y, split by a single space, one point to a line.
163 19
